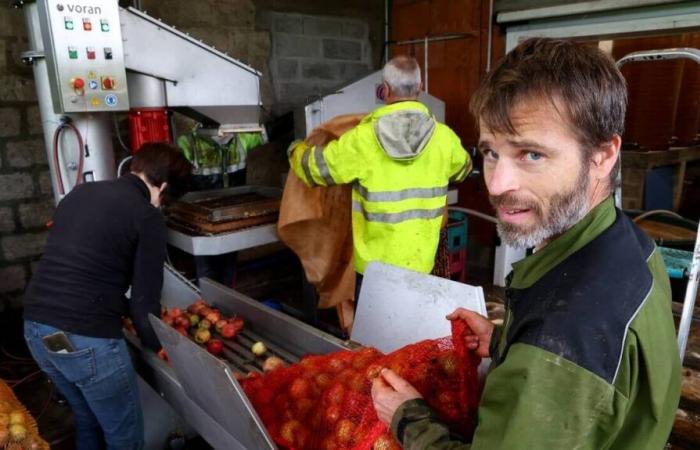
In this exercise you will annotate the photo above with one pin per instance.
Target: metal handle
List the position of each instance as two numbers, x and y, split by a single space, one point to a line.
655 55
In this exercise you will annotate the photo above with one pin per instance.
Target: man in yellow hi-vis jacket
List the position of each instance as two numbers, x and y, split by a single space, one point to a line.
400 161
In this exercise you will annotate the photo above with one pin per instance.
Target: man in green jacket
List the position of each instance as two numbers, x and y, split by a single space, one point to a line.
586 357
399 160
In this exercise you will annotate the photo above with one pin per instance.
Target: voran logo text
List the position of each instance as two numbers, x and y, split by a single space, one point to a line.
80 9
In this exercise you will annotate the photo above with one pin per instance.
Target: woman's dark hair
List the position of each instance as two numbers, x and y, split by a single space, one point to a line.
160 162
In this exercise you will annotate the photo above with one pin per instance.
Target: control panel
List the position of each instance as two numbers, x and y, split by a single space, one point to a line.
84 54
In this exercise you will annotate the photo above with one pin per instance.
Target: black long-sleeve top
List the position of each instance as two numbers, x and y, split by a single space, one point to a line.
106 236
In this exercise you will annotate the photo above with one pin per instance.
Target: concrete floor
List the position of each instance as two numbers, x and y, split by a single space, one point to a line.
34 390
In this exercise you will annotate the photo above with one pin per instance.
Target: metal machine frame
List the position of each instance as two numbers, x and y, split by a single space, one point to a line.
202 388
205 390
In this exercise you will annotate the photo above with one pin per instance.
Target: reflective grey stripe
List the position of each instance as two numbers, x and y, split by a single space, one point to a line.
235 167
462 172
405 194
206 170
305 166
398 216
322 166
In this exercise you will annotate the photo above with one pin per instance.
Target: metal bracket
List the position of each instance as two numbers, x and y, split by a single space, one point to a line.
29 57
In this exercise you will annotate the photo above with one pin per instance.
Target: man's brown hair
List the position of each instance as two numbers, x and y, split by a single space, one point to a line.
160 162
581 79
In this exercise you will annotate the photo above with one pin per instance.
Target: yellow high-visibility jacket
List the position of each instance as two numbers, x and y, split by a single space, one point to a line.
400 161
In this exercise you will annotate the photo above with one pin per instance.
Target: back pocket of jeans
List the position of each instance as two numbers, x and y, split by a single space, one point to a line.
78 367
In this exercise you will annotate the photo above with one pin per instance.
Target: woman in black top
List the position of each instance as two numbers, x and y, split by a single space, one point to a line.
106 236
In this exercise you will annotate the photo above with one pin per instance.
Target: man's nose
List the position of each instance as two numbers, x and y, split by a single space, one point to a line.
501 178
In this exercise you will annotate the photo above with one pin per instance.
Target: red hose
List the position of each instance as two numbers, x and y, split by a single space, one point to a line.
81 159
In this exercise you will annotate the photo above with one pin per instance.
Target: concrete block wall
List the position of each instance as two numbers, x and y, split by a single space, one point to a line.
26 200
313 55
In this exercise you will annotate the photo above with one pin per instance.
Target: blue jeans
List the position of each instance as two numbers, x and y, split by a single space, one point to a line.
99 383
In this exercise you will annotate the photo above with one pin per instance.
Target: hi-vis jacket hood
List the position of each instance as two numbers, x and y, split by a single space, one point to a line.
402 129
403 134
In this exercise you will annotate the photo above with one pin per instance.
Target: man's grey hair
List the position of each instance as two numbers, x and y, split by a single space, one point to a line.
402 74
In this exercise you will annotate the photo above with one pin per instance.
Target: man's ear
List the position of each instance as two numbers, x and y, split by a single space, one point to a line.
387 90
605 157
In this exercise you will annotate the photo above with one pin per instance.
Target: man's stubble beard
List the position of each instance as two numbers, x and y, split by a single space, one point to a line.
565 210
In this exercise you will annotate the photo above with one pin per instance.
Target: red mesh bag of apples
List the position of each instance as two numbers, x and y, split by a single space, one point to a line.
324 402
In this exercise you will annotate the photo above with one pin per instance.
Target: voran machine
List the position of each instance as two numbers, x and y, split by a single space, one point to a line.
93 60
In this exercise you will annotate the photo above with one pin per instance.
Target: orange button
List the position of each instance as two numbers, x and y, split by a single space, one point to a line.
108 83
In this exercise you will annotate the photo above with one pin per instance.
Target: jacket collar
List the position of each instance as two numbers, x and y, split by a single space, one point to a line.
527 271
412 105
137 183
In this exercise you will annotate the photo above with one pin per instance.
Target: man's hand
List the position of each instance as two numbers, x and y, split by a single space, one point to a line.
389 391
481 330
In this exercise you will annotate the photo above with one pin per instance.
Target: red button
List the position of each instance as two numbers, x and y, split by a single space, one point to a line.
78 83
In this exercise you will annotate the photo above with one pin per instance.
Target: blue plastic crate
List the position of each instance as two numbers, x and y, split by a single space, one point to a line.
457 228
677 262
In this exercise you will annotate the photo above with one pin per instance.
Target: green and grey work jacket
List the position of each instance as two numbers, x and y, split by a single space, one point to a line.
586 358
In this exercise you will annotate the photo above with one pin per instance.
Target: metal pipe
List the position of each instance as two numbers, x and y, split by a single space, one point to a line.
691 292
425 59
655 55
654 212
474 213
386 31
649 55
692 287
488 44
447 37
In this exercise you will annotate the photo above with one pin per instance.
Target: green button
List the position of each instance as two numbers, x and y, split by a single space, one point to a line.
73 54
104 25
69 24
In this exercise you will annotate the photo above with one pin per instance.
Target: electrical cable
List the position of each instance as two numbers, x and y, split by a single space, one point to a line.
474 213
121 165
56 152
656 211
59 440
16 358
47 403
25 379
119 135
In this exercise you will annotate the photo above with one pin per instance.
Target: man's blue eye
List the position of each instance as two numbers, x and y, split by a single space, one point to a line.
490 154
532 156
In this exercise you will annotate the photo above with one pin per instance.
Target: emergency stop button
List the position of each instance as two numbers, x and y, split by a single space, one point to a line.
77 83
108 83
